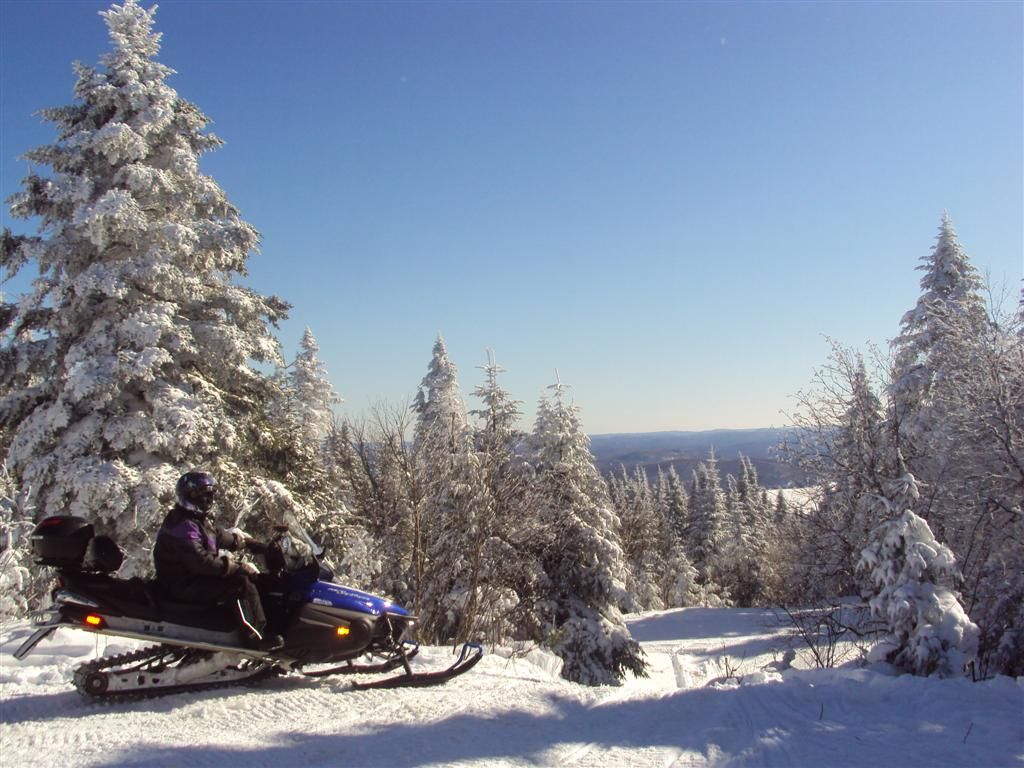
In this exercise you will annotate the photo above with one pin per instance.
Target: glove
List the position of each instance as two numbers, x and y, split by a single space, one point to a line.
248 568
241 537
256 547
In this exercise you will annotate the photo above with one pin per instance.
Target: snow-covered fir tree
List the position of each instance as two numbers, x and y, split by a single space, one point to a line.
440 411
454 501
745 550
928 630
290 444
950 296
644 534
706 537
653 532
580 554
674 502
958 393
846 446
131 358
311 393
500 569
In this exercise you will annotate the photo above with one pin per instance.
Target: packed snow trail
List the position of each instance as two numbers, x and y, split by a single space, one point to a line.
714 696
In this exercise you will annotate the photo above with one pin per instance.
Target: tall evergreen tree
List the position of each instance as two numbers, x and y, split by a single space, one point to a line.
499 566
958 392
746 549
312 396
581 556
440 413
707 521
130 360
644 534
454 498
676 503
950 296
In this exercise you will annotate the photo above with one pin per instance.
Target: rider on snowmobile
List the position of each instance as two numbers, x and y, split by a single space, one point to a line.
191 566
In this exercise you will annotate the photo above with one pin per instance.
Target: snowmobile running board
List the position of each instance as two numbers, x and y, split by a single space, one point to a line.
468 658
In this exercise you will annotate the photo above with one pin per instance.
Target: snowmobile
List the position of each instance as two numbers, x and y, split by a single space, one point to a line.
327 629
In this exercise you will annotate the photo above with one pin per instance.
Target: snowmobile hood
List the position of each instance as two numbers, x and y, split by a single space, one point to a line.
326 593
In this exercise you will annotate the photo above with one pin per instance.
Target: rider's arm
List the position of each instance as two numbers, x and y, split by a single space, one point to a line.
186 543
231 540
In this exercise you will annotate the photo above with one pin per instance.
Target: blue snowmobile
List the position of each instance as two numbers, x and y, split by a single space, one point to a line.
328 629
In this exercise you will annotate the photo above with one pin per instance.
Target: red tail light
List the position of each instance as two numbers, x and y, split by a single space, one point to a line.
95 621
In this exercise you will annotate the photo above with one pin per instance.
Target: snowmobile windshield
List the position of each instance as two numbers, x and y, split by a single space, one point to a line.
299 534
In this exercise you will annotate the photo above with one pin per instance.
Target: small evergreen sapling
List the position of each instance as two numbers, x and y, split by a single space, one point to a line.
929 631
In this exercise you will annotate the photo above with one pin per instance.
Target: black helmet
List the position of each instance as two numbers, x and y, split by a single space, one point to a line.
196 491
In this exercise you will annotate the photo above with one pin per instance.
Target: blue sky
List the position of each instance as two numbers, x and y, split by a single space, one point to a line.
670 203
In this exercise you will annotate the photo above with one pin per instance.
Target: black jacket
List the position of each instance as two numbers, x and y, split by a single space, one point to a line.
188 545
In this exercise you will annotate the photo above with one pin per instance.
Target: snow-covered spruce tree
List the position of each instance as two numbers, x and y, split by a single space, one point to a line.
659 572
928 630
348 478
845 446
580 554
645 536
454 501
679 582
291 446
706 537
359 558
951 295
674 501
745 551
499 566
958 390
312 396
130 360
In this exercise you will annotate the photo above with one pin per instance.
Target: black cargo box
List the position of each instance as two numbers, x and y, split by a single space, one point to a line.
61 541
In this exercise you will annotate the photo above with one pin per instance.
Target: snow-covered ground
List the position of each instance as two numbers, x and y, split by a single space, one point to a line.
715 696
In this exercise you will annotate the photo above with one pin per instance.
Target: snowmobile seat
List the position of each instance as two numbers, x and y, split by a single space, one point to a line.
128 597
220 617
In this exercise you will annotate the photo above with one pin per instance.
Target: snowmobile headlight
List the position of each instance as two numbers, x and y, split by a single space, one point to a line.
94 621
343 631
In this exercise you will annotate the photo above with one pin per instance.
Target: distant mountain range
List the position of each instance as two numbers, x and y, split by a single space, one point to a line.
685 450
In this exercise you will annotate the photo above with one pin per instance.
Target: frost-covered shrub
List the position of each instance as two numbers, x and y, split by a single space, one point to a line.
361 561
1001 644
15 565
679 586
21 584
928 630
597 650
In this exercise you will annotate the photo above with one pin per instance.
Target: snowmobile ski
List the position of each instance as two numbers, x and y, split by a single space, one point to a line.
469 656
348 668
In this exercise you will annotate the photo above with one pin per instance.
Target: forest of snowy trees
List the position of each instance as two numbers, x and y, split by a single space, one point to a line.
138 354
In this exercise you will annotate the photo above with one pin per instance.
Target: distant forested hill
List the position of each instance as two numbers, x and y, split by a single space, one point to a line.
685 450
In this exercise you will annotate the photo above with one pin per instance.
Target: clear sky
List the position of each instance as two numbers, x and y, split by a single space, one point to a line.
670 203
